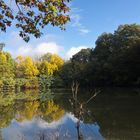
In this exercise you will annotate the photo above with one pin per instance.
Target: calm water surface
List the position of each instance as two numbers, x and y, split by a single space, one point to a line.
113 115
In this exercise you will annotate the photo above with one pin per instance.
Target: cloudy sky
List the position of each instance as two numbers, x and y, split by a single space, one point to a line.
89 18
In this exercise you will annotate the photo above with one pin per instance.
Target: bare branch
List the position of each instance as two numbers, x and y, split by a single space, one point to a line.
92 97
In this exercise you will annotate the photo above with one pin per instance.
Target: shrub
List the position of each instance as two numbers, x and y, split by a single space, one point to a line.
45 81
31 83
8 83
19 83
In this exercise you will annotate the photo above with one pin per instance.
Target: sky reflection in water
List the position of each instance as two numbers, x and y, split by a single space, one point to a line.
63 129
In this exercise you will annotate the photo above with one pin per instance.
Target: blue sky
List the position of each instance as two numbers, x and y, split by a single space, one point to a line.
89 18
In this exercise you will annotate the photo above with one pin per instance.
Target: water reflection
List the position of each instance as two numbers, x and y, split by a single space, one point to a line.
42 118
51 117
39 129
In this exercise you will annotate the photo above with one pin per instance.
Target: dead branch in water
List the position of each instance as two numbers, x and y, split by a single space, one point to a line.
94 95
79 108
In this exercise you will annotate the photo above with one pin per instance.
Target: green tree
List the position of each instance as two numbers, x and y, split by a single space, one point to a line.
84 56
66 73
115 60
116 56
80 62
76 68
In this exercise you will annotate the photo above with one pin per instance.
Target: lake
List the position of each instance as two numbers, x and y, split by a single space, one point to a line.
114 114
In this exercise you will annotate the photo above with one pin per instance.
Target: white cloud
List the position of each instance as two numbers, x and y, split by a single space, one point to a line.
35 47
50 47
76 21
84 31
38 47
72 51
46 47
38 50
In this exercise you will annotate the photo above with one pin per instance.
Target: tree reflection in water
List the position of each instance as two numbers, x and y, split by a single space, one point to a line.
45 120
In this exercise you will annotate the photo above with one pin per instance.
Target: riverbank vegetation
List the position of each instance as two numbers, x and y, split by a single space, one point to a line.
115 61
26 73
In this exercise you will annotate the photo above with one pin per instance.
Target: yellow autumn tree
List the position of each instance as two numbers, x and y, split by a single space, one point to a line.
25 67
6 65
49 63
2 57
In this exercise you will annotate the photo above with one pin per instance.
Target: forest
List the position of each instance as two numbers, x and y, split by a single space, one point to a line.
114 61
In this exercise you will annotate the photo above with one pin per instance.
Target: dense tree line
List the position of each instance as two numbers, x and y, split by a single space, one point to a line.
115 60
24 72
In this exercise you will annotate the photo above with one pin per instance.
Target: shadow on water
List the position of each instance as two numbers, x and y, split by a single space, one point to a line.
113 115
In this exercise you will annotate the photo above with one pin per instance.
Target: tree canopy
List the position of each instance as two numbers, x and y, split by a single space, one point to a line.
31 16
26 67
115 60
